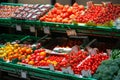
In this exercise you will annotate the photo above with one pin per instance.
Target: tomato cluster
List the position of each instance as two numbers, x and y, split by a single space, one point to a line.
16 51
40 58
35 58
51 59
99 14
63 14
91 63
7 11
72 60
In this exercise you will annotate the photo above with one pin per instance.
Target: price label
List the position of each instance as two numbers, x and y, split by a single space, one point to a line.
117 23
75 49
46 30
70 71
51 67
86 73
89 3
64 70
108 52
23 74
80 76
71 32
32 29
18 28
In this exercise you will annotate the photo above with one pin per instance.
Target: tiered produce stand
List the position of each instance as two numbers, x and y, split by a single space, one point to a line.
48 57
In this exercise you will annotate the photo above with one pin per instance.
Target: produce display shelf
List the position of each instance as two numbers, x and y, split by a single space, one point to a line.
32 22
93 30
75 26
5 20
38 72
11 4
21 38
8 20
79 29
60 27
11 37
63 27
17 21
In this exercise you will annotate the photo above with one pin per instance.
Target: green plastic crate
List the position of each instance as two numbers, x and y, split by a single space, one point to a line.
32 22
53 24
8 20
11 37
12 4
40 73
7 68
32 39
5 20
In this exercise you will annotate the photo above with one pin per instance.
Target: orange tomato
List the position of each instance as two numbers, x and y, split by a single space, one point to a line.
19 48
28 56
10 57
23 49
42 53
29 50
15 56
21 53
31 62
21 57
16 45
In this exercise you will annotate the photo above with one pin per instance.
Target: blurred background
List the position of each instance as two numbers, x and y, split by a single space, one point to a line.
83 2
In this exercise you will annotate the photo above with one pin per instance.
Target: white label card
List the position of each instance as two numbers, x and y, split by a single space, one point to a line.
18 28
80 76
51 67
86 73
71 32
23 74
46 30
32 29
64 70
70 71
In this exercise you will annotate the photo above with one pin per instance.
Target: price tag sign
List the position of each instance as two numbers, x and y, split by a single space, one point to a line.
64 70
46 30
32 29
89 3
70 71
71 32
86 73
51 67
23 74
117 23
80 76
18 28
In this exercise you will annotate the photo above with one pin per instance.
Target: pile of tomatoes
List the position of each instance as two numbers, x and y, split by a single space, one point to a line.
14 51
63 13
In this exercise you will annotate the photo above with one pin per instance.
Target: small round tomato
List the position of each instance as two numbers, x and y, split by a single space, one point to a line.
29 50
42 53
31 62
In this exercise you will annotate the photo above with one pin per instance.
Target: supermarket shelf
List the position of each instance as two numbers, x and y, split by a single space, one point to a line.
11 4
21 38
60 27
37 72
